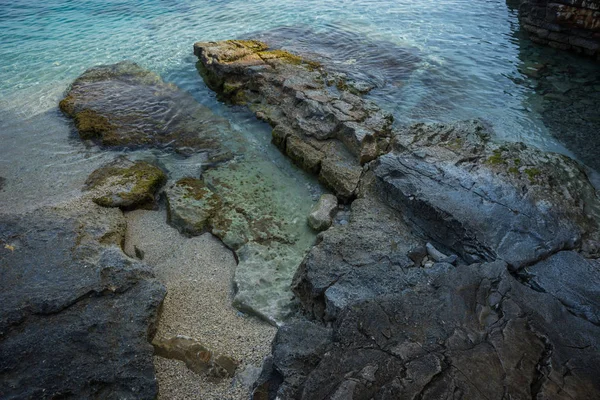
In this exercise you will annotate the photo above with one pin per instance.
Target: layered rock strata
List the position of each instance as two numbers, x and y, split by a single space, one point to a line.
322 127
563 24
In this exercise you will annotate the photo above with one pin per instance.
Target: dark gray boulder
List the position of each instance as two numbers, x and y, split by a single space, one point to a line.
469 332
76 314
488 201
354 262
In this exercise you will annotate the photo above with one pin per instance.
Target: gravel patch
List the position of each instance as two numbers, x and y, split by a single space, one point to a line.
197 273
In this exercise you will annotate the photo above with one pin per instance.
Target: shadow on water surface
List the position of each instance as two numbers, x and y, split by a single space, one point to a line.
564 89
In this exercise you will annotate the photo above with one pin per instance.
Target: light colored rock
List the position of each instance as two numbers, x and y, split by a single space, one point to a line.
321 215
191 206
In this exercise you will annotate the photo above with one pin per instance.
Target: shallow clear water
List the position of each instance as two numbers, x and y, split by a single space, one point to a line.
458 59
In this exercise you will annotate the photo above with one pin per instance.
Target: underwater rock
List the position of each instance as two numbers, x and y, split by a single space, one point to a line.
2 182
125 184
321 215
191 206
311 120
487 201
356 62
125 105
196 356
76 314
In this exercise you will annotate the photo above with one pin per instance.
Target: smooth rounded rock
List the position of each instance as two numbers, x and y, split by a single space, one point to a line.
125 184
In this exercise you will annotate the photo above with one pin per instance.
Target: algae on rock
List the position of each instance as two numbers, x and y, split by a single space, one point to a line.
125 105
125 184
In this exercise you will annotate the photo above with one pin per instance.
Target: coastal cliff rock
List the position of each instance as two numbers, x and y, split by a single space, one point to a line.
488 201
76 314
563 24
125 105
125 184
313 118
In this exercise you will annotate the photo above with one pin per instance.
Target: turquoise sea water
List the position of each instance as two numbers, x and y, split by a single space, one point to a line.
471 55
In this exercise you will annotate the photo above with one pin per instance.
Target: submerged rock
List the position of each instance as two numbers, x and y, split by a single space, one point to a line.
125 105
125 184
321 215
191 206
312 120
488 201
196 356
2 182
76 314
355 62
248 207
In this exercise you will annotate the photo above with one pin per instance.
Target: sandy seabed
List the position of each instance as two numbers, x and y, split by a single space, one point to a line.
197 273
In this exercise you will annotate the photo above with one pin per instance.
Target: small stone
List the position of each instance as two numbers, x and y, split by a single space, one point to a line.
450 259
434 253
417 254
197 357
321 215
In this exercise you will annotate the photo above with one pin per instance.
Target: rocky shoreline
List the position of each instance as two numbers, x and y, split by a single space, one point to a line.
383 325
447 265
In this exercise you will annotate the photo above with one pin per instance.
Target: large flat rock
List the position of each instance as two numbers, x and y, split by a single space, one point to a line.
488 201
76 314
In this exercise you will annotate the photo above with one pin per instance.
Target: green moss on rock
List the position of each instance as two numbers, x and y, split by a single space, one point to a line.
125 184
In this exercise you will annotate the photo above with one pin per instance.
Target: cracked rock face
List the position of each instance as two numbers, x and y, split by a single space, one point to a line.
488 201
472 331
124 105
76 314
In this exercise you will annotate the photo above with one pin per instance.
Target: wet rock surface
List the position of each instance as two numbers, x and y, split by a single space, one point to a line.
191 206
313 117
472 332
450 275
125 184
488 201
125 105
76 313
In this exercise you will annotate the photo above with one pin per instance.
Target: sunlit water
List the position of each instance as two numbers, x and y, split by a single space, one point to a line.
435 61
